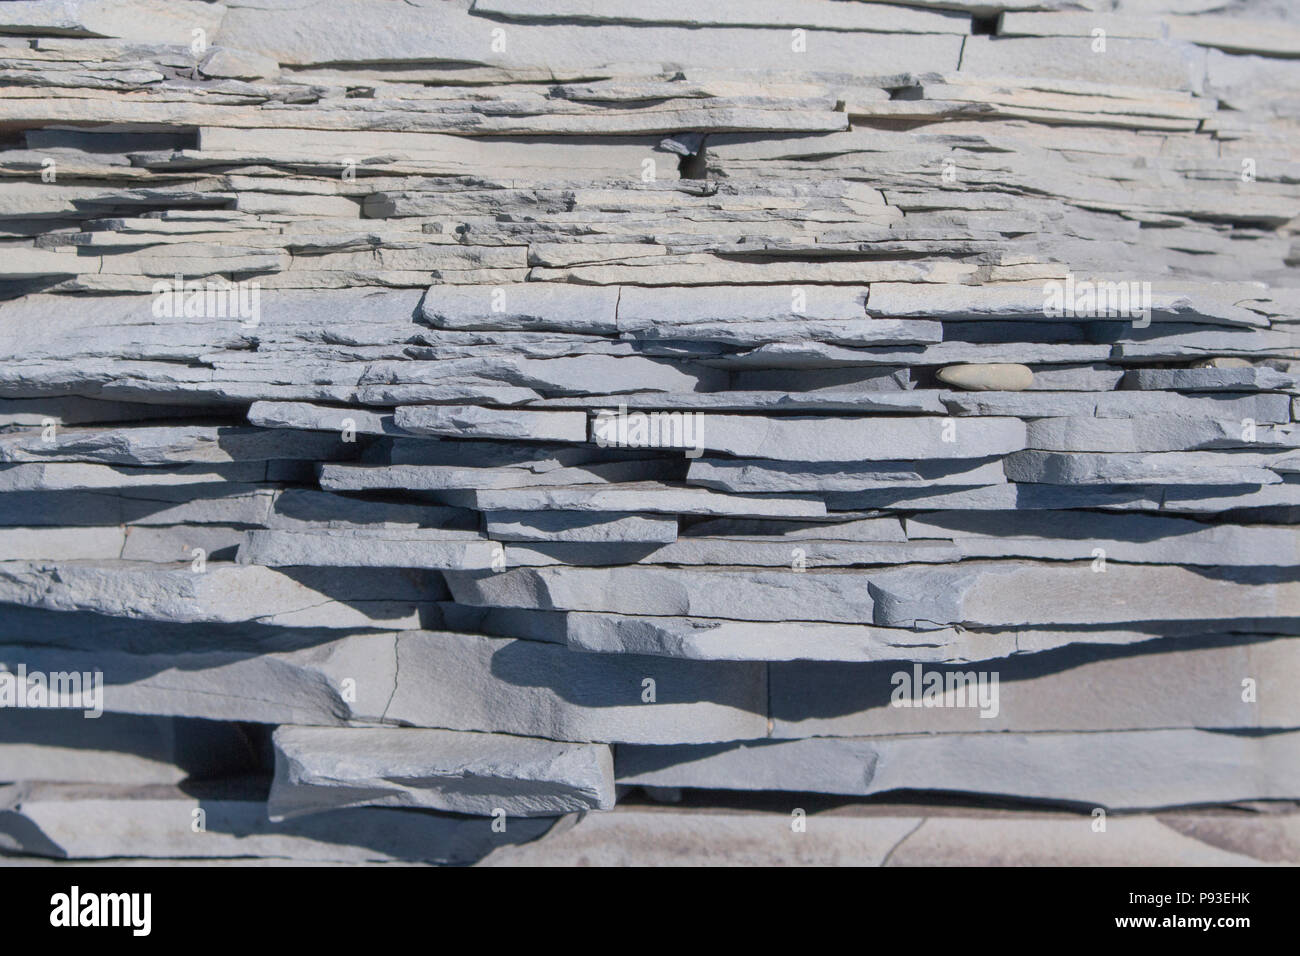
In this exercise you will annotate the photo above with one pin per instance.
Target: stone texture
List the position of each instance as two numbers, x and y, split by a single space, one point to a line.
1175 678
403 405
536 689
578 526
979 593
221 593
848 439
987 378
366 548
62 746
908 835
1140 769
324 768
340 678
103 821
472 421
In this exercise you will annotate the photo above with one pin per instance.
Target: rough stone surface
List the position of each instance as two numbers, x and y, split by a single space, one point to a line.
536 689
987 378
419 411
325 768
1140 769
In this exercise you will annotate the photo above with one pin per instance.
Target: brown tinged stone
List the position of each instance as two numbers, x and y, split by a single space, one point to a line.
993 377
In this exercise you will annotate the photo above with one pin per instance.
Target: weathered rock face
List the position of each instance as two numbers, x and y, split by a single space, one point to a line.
426 424
327 768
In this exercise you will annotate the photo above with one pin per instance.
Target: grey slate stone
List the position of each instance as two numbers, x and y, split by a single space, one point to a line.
173 444
472 421
555 306
828 400
841 527
765 14
828 236
428 33
75 476
220 593
63 746
348 677
1191 467
104 822
697 638
296 508
858 439
421 477
1154 433
649 497
306 416
1140 769
699 550
758 476
366 548
1133 538
330 768
533 689
1209 379
977 594
1179 679
1269 409
909 835
577 526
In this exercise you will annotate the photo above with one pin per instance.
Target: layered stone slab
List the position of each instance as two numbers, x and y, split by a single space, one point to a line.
973 594
912 835
1138 769
99 822
367 548
471 389
470 682
322 768
220 593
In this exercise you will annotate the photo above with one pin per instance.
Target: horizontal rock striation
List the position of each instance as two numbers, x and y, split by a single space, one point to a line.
534 432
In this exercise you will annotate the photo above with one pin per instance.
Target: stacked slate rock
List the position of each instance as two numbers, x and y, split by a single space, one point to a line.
331 330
